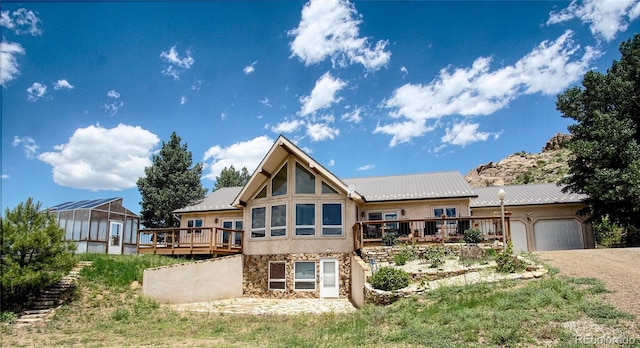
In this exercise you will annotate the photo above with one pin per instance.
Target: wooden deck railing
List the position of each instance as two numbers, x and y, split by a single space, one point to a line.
428 230
189 241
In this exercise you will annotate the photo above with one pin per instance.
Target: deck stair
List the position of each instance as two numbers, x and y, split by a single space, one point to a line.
50 298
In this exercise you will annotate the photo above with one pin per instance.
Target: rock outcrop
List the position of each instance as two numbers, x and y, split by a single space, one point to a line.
523 168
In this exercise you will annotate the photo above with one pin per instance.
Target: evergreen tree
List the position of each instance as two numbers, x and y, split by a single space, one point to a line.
606 140
230 177
170 183
34 254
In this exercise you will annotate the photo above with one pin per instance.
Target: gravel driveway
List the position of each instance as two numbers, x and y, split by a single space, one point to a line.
619 269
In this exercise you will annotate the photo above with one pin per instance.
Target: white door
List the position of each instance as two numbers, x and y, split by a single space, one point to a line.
114 243
329 283
562 234
519 236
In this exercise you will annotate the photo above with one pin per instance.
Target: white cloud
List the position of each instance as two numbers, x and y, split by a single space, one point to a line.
464 133
605 18
250 68
265 102
29 146
62 84
287 126
9 67
36 91
21 21
331 163
353 116
322 95
176 64
113 106
243 154
183 100
366 167
329 29
5 176
548 69
320 131
97 158
404 71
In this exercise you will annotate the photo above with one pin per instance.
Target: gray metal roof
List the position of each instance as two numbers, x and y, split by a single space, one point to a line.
220 199
84 204
531 194
412 186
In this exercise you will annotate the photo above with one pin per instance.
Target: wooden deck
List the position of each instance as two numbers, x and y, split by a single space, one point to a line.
190 241
428 230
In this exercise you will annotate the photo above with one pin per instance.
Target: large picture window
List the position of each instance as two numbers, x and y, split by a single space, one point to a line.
258 222
331 219
278 220
277 275
305 275
305 181
306 219
279 182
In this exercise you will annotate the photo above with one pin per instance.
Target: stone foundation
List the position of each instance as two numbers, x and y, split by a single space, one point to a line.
256 275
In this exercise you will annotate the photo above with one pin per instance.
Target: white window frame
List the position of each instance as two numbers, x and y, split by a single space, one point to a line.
264 229
313 226
444 210
303 167
234 226
271 227
278 280
304 280
341 226
193 222
286 184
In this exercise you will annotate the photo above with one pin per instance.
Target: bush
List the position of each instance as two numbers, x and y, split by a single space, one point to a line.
507 262
401 257
434 255
473 236
608 234
389 279
389 239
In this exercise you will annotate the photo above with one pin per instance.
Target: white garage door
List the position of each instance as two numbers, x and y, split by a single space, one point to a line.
558 234
519 236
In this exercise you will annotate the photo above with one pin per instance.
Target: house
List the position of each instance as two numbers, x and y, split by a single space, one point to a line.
98 225
299 228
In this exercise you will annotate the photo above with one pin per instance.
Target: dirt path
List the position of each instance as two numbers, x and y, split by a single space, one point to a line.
619 269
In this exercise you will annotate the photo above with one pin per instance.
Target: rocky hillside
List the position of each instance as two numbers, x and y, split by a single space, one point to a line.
550 165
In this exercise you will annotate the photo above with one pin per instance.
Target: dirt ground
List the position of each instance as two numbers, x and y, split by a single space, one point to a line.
619 269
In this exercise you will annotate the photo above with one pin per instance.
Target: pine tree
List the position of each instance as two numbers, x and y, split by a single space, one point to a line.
606 140
34 254
230 177
170 183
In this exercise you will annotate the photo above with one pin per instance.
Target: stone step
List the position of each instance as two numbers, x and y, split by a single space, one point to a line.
28 320
36 311
35 316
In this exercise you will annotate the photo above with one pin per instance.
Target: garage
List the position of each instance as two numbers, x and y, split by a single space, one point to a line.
519 236
558 234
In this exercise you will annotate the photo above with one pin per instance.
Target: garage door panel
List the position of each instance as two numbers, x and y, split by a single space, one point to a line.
519 236
559 234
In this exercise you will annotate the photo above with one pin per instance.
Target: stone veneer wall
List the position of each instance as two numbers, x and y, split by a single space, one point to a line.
256 275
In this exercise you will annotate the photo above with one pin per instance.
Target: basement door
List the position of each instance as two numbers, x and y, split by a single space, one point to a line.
329 278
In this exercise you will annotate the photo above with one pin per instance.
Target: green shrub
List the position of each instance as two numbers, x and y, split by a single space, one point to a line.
401 257
389 239
7 317
507 262
608 234
389 279
434 255
473 236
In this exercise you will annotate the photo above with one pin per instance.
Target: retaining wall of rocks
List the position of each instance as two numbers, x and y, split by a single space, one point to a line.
386 253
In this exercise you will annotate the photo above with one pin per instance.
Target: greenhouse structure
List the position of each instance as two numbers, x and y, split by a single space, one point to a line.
99 225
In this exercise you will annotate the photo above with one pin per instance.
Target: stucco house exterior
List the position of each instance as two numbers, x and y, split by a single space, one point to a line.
299 228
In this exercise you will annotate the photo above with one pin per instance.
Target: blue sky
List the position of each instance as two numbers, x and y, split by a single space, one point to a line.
91 89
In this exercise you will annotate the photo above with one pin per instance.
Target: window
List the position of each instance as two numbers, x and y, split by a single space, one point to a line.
304 275
236 237
277 279
279 182
331 219
262 193
448 212
258 216
278 220
391 225
305 181
326 189
194 223
305 219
